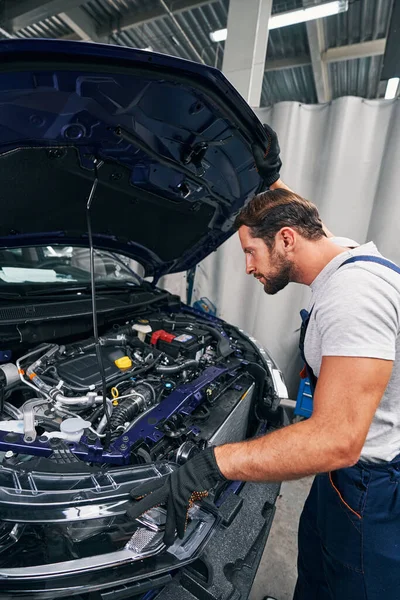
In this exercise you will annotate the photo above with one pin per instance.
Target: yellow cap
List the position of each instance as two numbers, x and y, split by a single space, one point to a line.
124 362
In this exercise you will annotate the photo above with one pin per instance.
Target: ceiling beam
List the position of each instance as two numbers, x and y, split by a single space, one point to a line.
350 52
82 25
145 16
287 63
17 14
361 50
317 44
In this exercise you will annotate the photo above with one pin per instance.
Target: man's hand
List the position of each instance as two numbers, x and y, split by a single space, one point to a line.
178 491
268 162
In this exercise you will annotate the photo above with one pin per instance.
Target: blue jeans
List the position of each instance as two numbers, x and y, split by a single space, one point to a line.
349 535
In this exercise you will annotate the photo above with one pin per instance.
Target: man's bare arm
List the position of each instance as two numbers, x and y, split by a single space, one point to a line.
280 184
346 397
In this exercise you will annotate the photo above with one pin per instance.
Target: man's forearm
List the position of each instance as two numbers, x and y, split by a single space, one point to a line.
279 184
290 453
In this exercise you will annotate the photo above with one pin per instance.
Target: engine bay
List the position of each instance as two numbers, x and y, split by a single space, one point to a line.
172 383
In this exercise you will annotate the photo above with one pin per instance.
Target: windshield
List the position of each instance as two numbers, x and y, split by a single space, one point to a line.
65 265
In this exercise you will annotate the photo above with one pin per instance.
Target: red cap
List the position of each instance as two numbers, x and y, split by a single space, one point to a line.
160 334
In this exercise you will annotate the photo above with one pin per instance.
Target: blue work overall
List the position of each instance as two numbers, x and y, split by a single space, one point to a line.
349 532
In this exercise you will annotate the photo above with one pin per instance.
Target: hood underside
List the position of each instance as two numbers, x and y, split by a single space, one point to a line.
169 142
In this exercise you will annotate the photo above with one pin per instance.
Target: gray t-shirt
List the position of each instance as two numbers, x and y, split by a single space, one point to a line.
356 312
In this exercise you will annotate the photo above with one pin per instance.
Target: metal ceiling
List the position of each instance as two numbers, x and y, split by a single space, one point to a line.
54 27
186 34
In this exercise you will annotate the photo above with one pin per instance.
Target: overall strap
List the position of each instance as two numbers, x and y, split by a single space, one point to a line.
305 316
373 259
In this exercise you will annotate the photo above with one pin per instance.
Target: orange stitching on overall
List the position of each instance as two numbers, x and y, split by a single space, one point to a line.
341 497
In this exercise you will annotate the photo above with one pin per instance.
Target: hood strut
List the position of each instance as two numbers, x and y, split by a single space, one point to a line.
97 166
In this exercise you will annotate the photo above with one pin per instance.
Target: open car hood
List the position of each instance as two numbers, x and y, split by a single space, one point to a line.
168 140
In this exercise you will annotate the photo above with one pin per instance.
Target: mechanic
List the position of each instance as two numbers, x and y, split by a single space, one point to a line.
349 533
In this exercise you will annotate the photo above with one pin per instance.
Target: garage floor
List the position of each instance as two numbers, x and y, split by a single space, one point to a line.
277 573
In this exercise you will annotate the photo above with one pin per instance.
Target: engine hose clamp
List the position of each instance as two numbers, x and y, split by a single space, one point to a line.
53 393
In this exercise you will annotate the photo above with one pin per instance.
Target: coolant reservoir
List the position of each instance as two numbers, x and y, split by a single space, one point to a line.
143 329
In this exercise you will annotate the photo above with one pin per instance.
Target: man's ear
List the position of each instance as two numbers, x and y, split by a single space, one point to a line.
287 237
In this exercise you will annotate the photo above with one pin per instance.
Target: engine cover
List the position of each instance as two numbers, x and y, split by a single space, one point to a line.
83 370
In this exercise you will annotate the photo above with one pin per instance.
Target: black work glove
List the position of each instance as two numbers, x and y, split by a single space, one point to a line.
268 163
179 491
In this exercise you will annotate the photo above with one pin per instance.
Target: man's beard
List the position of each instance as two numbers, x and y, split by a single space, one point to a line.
275 282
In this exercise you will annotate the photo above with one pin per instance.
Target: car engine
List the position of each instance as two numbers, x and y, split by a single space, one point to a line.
168 386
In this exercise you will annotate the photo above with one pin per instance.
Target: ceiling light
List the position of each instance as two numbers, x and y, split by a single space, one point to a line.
292 17
307 14
391 88
219 35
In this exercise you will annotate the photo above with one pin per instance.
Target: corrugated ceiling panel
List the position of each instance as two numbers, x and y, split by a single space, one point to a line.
163 35
358 77
288 42
104 11
365 20
289 84
54 27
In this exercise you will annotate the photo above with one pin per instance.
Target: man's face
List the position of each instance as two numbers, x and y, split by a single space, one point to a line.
271 267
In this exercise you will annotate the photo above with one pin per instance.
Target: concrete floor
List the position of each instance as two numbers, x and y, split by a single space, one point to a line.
277 572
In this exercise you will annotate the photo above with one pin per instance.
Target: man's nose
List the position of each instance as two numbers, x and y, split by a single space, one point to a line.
250 269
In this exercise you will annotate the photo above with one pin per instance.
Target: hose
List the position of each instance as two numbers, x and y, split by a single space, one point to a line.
49 423
103 421
96 414
151 388
77 401
21 372
171 369
126 411
147 367
12 411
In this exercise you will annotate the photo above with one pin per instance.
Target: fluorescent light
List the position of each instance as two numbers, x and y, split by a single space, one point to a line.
292 17
307 14
219 35
391 88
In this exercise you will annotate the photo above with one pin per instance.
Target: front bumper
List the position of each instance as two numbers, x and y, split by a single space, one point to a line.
226 567
225 562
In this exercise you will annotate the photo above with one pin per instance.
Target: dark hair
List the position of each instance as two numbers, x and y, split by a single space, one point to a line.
269 211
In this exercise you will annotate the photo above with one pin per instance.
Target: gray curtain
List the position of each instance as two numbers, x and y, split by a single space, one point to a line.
344 156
